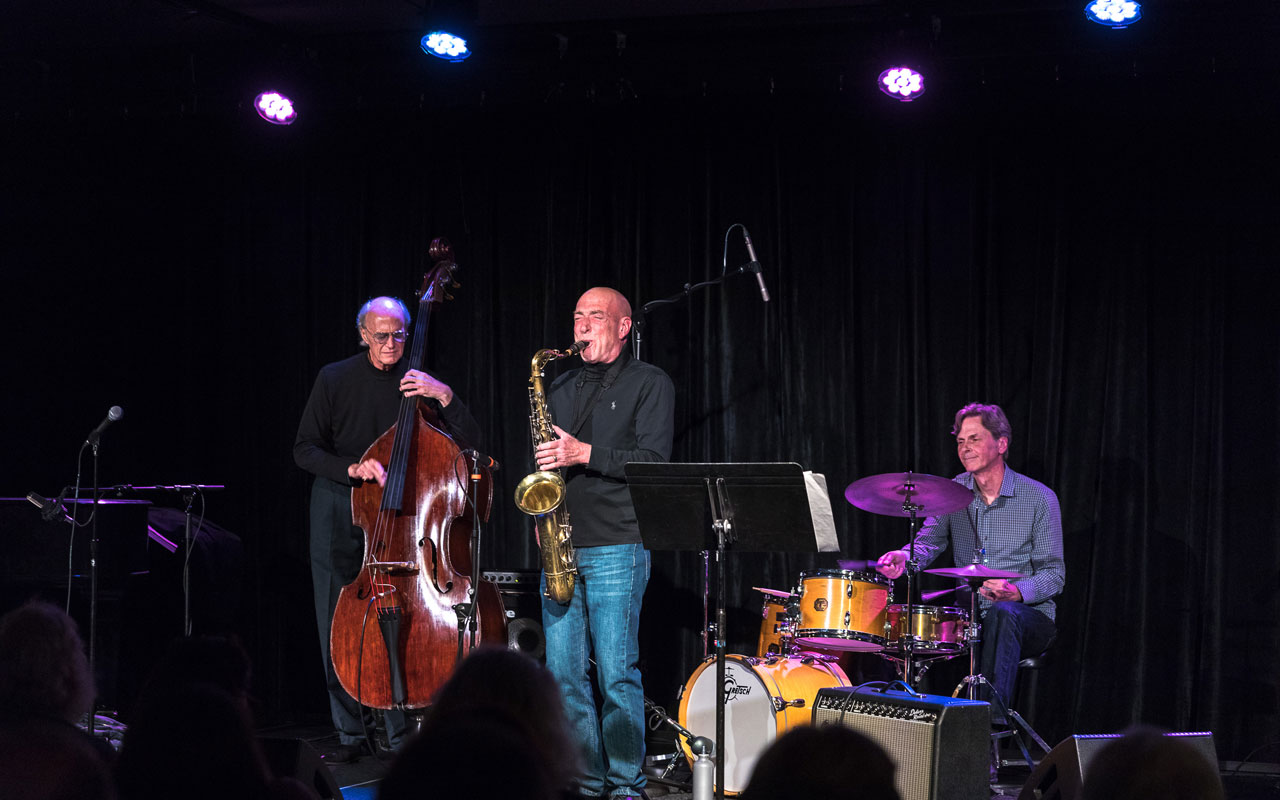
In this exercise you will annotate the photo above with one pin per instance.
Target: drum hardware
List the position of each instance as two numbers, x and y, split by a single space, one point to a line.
702 748
1017 727
908 494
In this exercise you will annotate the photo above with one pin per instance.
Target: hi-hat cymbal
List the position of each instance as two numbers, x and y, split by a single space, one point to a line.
974 571
900 494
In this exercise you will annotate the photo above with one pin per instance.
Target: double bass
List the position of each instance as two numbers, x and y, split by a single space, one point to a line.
415 608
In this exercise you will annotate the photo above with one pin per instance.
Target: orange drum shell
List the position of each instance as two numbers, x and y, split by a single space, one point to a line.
936 627
776 625
783 678
843 610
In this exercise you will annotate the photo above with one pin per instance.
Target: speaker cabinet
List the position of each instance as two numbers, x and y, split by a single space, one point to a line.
1060 775
296 758
942 745
523 606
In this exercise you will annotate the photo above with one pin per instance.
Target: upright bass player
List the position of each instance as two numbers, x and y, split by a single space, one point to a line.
352 403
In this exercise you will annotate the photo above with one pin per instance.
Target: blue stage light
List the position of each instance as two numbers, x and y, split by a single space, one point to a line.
902 83
443 44
1114 13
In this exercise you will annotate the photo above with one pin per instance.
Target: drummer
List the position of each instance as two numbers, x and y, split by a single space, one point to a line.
1013 523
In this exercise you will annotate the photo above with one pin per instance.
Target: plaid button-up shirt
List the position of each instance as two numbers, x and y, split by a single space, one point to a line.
1021 532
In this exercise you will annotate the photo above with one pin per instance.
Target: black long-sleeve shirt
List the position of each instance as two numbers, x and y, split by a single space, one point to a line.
634 420
351 405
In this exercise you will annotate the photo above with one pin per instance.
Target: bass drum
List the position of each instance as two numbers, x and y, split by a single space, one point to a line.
754 691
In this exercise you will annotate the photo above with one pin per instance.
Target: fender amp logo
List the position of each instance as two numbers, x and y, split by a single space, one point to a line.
732 688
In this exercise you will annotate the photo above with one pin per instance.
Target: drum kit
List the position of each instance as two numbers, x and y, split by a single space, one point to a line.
850 609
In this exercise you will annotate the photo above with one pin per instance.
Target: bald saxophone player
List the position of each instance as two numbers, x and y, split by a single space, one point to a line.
353 402
613 410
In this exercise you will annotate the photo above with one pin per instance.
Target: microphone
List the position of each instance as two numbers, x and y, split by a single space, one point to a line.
49 508
754 266
487 462
114 414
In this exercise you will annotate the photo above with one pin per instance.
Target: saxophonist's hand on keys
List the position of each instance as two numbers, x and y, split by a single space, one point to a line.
563 452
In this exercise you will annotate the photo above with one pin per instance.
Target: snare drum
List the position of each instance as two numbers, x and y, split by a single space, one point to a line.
776 628
763 699
938 628
843 610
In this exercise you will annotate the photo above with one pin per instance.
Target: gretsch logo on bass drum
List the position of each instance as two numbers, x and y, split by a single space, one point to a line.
732 688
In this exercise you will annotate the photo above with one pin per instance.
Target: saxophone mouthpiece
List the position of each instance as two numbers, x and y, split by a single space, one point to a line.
575 348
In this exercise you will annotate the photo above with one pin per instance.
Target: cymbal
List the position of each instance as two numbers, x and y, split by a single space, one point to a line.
889 494
773 592
974 571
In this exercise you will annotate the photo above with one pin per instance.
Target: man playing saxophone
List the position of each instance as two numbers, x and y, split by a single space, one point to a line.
613 410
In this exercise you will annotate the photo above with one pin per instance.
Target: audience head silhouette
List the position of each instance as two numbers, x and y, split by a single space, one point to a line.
1147 764
43 669
826 761
496 701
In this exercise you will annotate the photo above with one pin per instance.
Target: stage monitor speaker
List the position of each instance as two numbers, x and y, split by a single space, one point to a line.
1060 775
523 607
296 758
942 745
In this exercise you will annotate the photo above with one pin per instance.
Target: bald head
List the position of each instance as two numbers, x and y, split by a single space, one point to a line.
385 307
603 319
385 319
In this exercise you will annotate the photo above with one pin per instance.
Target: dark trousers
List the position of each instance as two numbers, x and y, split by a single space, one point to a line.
337 550
1011 632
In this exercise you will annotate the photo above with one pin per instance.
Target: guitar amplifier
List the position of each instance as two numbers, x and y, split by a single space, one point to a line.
942 745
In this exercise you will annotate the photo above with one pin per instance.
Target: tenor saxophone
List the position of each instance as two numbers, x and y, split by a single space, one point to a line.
541 494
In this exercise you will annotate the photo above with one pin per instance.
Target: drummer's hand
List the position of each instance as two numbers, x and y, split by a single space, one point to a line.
998 589
368 470
892 564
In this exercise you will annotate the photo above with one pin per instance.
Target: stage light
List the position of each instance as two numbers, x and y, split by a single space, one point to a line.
275 108
446 45
1114 13
902 83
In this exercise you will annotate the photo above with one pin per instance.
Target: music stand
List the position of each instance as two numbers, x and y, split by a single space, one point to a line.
747 507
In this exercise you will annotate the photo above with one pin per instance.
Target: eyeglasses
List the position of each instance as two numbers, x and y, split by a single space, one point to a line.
381 336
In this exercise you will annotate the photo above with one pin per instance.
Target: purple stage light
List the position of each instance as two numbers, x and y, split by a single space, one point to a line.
275 108
902 83
1114 13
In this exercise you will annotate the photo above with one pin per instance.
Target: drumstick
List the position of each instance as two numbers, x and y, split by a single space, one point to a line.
935 595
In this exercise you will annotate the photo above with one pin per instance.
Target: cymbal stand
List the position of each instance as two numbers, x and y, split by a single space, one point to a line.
908 639
1017 727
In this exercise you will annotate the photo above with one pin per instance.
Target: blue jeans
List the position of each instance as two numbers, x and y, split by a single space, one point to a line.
1011 632
603 619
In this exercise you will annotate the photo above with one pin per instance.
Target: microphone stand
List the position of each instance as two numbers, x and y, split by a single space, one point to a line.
467 612
189 492
93 583
638 324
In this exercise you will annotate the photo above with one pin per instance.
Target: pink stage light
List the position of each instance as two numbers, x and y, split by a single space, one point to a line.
275 108
902 83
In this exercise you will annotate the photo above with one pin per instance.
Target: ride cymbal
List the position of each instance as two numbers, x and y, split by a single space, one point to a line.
905 494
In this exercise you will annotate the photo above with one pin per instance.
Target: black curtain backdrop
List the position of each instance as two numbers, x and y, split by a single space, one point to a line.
1098 258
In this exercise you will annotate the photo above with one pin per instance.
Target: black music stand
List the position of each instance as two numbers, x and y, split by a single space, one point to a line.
760 508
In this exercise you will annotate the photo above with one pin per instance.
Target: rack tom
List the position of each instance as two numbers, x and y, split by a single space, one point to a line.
843 610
